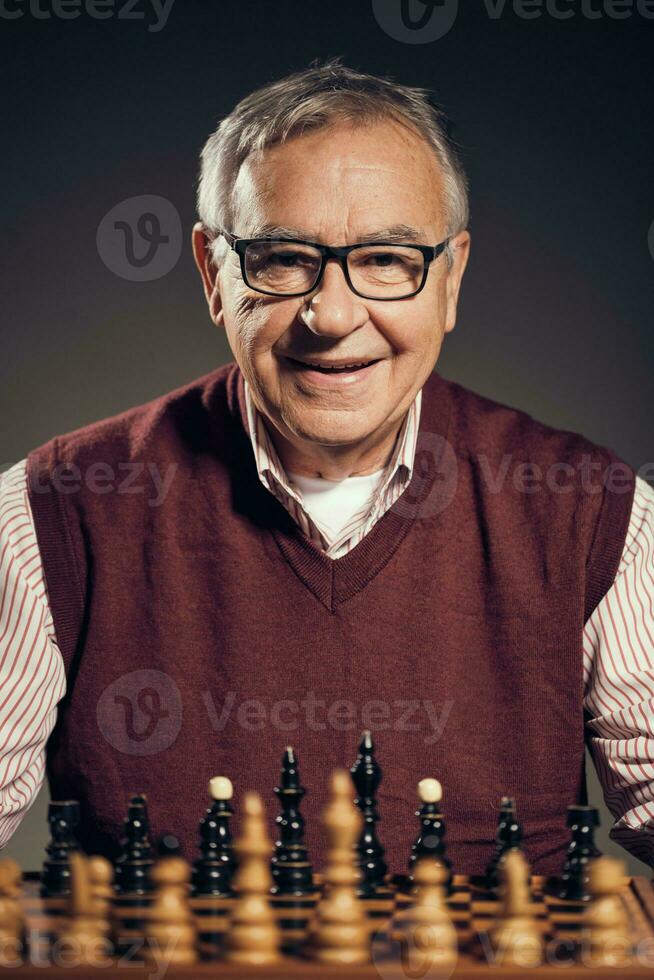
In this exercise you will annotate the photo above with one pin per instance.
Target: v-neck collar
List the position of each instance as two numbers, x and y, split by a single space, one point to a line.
335 580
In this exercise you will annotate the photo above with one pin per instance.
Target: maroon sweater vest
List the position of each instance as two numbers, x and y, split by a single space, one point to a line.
202 632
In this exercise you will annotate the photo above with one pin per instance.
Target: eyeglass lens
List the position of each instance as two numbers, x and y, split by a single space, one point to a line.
384 271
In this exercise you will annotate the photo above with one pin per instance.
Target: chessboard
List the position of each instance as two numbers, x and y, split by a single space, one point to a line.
253 908
472 908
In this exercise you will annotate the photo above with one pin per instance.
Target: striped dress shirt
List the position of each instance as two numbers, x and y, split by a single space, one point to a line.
618 641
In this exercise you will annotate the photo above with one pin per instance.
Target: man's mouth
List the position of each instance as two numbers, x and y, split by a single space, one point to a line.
333 367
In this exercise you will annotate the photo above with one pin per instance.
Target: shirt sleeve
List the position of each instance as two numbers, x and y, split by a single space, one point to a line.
32 674
619 685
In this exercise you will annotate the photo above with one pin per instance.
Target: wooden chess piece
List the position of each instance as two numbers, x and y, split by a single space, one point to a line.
101 877
606 932
170 927
63 818
134 864
426 930
431 839
508 836
367 775
290 865
214 868
253 936
582 821
339 934
84 939
516 937
12 918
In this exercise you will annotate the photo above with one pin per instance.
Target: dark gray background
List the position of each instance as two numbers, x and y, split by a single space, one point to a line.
554 118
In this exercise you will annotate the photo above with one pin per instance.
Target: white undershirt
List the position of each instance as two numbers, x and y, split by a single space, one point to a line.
333 503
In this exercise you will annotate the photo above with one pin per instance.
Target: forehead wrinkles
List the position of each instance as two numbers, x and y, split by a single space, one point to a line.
333 174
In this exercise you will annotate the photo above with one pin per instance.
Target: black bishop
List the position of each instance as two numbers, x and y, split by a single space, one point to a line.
366 776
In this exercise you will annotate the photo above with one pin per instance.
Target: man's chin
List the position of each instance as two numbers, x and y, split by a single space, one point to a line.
335 440
334 432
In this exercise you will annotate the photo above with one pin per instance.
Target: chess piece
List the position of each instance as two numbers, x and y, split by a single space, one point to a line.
101 877
63 818
426 932
509 836
12 918
582 821
431 839
135 862
214 869
606 933
366 776
253 937
339 933
170 927
516 937
291 868
84 936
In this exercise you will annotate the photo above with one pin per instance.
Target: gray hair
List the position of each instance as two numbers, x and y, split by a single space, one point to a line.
312 99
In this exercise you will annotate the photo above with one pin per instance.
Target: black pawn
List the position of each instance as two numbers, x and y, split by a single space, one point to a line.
213 870
582 821
366 776
134 863
291 869
509 836
63 817
431 839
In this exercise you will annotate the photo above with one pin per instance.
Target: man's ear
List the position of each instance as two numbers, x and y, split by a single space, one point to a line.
209 273
460 248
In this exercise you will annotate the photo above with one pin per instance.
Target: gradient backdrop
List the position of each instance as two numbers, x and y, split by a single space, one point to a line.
553 109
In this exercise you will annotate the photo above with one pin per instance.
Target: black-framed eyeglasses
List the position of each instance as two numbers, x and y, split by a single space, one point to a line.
292 267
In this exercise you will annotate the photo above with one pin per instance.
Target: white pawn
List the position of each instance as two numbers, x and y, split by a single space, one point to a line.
607 934
170 927
426 930
516 937
253 936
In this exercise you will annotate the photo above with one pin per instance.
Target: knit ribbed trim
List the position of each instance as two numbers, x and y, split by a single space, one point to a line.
335 580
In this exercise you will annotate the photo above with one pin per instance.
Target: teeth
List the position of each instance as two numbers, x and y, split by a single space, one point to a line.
338 367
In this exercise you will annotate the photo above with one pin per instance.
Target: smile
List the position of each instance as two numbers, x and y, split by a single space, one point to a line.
329 367
332 372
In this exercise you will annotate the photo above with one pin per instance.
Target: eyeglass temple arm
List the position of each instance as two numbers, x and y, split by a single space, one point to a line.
227 235
439 249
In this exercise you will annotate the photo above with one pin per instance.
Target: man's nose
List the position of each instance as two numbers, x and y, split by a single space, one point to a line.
333 309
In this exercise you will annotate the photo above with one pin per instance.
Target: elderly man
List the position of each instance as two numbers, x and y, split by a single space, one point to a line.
345 539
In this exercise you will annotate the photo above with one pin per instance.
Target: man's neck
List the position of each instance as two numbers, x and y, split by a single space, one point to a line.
335 462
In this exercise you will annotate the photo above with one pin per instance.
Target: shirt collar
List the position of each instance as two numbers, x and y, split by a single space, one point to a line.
273 476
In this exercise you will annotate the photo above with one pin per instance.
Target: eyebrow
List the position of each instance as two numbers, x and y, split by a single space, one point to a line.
394 233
